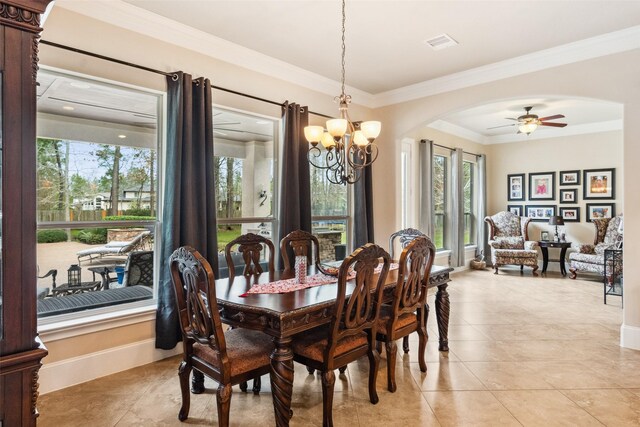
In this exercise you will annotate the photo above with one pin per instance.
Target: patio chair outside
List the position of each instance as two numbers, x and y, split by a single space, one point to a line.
114 248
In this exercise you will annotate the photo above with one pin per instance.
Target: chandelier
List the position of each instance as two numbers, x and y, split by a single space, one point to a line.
348 146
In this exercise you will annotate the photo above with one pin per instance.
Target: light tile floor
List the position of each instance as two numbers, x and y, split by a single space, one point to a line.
523 351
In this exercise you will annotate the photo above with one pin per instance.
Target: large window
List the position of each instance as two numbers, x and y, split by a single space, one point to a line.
244 167
97 190
440 183
469 171
330 214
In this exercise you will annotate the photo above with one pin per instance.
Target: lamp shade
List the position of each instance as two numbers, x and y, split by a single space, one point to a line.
556 220
371 129
359 139
313 133
327 141
337 127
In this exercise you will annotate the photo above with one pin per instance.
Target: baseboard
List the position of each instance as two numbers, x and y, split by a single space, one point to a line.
65 373
630 337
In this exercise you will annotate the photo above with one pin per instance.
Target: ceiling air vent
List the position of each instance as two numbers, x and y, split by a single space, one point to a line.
441 42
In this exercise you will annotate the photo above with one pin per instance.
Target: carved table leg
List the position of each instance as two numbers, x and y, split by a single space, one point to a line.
282 380
442 316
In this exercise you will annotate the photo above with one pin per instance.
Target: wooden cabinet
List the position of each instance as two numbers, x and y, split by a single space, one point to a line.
20 350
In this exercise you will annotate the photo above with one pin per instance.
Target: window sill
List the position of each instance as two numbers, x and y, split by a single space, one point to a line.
68 327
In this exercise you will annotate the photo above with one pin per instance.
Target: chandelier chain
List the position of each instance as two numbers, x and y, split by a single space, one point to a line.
344 46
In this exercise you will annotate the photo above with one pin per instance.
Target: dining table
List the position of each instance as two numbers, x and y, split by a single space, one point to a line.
283 315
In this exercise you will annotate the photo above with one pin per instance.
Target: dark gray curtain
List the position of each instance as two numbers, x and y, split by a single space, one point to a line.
295 194
363 208
189 216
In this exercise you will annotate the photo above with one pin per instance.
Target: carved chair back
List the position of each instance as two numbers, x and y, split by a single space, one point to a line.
299 243
507 224
404 237
414 268
360 311
250 245
194 288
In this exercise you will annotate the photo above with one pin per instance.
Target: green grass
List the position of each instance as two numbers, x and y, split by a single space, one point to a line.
225 235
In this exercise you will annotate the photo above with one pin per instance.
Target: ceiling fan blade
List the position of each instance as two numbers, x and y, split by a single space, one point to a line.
557 116
502 126
226 124
511 118
555 125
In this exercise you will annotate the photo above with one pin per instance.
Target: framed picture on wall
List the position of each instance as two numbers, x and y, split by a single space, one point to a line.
600 210
569 195
544 235
570 177
516 187
542 186
540 213
515 209
599 184
570 214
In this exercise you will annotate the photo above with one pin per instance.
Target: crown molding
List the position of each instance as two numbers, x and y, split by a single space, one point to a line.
588 128
132 18
462 132
129 17
606 44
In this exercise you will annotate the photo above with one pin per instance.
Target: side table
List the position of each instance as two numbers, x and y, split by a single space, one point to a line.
545 245
612 273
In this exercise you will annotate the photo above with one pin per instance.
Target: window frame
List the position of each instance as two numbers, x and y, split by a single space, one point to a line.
78 319
446 220
278 135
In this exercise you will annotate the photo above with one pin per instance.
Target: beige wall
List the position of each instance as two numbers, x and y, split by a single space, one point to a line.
611 78
554 155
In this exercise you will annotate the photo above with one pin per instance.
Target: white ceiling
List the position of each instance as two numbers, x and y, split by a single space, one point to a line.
385 39
387 60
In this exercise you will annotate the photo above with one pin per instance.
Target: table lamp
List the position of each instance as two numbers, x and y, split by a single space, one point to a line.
556 220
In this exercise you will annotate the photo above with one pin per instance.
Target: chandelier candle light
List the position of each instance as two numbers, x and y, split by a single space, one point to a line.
349 145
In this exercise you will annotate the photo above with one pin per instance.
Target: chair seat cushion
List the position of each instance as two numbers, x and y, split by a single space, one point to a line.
509 242
313 344
587 258
247 350
386 312
516 253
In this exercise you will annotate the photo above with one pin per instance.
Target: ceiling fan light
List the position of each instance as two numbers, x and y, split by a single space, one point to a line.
337 127
313 134
371 129
528 127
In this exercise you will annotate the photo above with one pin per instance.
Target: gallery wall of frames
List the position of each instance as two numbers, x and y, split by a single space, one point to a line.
541 195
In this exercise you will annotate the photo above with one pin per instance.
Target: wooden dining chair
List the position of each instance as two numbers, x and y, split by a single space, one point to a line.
227 358
300 243
250 245
352 330
408 311
404 237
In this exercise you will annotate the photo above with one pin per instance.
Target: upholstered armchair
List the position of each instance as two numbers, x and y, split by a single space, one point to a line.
590 258
509 241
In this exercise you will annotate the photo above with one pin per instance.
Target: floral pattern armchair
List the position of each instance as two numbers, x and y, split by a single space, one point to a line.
509 241
590 258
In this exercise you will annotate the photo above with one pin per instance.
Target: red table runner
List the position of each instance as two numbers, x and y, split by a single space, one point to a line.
290 285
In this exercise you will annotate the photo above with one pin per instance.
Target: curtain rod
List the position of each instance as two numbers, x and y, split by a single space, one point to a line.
424 141
164 73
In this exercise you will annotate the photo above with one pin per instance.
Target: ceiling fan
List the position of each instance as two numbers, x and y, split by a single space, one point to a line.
224 128
528 122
